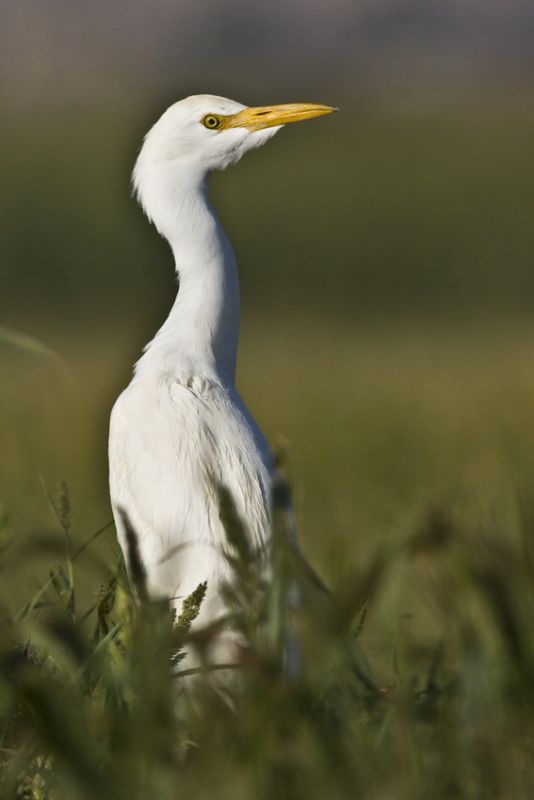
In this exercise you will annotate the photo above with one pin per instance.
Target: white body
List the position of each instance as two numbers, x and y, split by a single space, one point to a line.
181 436
180 427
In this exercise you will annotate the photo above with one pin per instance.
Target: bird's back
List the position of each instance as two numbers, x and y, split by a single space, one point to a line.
172 443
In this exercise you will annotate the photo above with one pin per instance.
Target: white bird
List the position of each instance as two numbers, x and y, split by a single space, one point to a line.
180 428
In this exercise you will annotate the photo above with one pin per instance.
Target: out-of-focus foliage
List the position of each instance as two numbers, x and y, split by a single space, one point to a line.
93 702
379 419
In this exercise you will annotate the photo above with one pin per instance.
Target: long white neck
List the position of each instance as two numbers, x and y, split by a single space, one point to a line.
201 333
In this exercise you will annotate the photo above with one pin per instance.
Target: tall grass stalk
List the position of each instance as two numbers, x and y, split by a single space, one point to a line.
94 704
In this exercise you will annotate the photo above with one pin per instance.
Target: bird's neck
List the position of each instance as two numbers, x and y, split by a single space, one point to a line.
200 335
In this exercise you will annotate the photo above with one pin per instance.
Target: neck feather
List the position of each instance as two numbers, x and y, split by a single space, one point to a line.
200 335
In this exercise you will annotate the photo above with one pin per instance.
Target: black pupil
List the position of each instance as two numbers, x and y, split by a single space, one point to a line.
212 122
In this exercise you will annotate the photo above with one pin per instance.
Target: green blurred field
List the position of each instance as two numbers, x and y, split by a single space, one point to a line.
380 422
387 346
367 213
386 262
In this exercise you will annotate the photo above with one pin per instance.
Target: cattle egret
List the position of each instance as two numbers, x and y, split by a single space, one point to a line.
180 428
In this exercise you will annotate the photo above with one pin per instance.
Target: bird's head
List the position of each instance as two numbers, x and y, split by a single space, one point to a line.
204 133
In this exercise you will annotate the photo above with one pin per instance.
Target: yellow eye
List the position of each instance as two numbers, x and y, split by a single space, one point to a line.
212 122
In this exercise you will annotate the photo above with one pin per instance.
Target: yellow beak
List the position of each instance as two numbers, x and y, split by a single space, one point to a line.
258 117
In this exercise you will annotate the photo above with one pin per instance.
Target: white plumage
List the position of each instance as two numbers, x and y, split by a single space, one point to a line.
180 428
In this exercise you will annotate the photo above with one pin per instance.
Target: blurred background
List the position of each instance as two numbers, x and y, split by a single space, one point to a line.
386 254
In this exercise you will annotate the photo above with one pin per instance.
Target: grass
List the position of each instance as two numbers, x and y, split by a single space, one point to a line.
411 464
93 702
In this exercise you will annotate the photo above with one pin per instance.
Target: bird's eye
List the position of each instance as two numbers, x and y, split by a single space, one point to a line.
212 122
